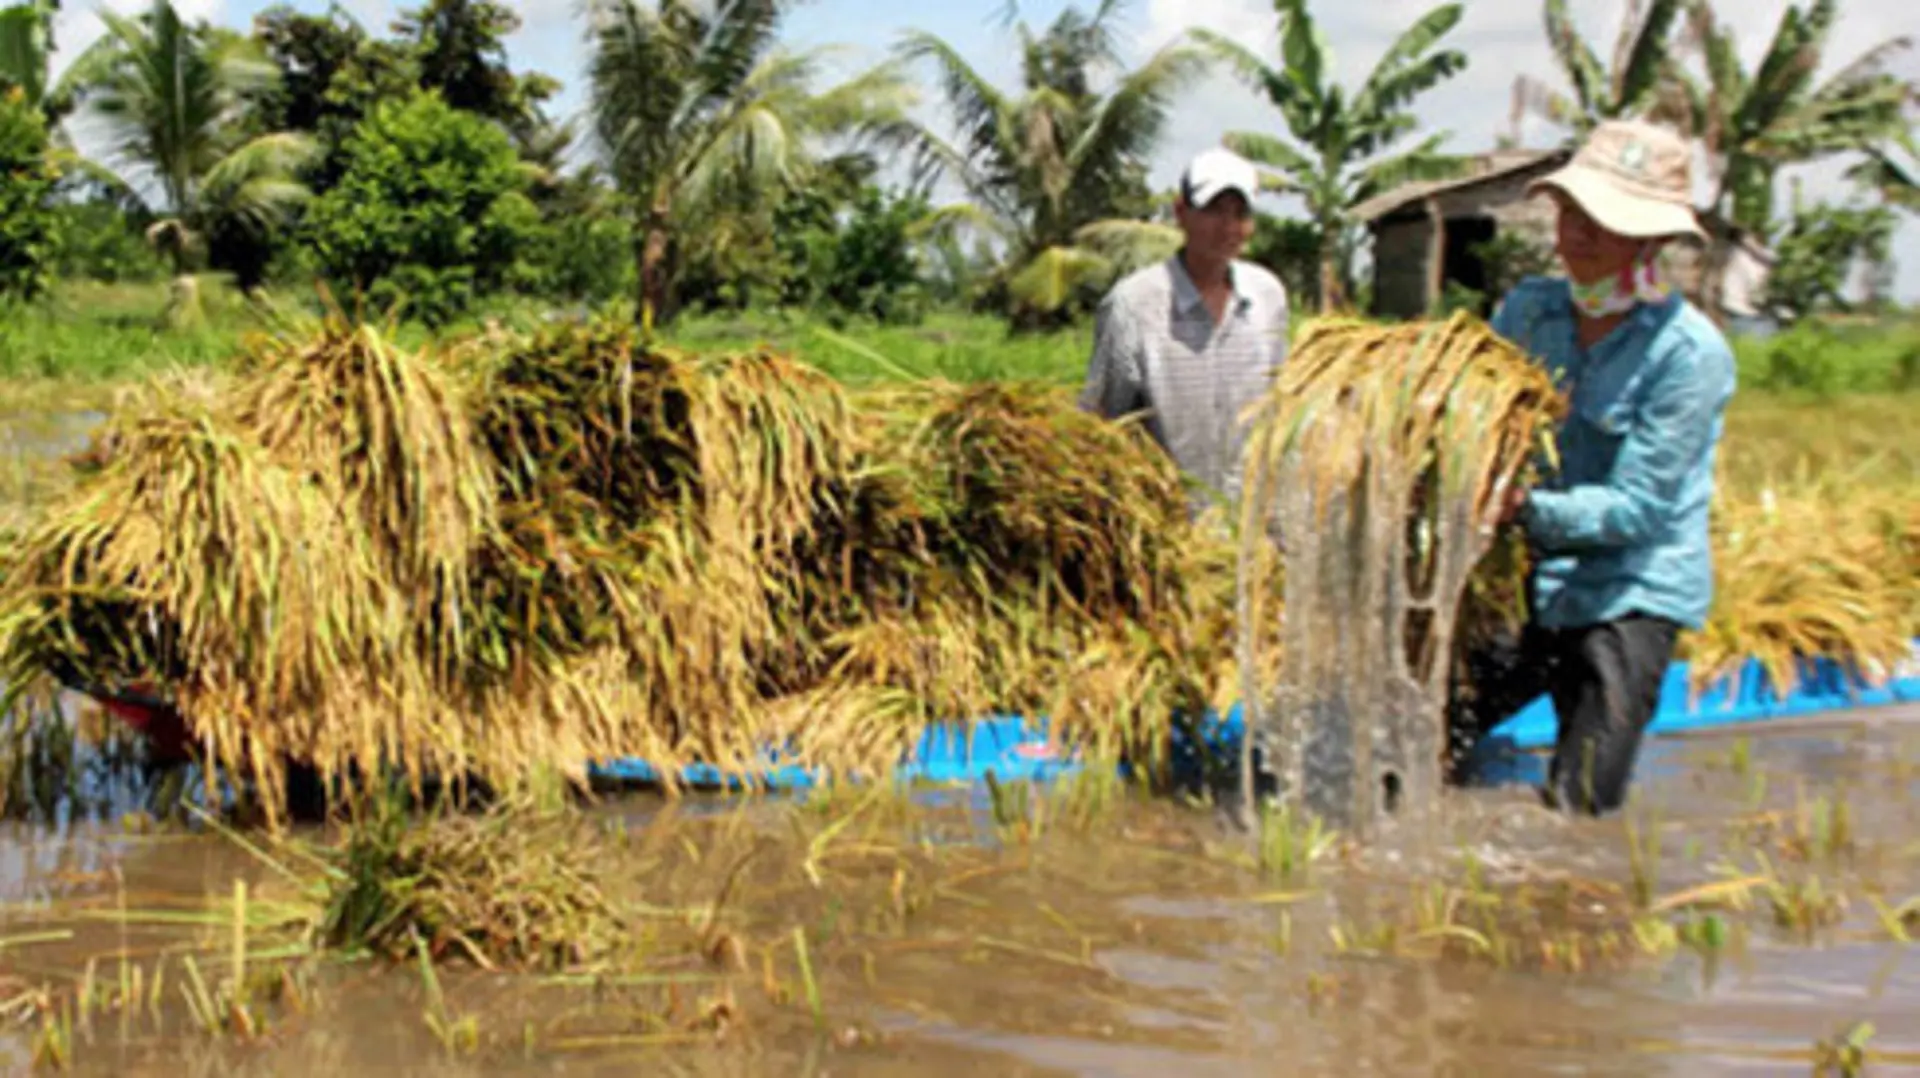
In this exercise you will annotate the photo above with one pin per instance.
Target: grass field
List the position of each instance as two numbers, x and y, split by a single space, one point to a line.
1829 401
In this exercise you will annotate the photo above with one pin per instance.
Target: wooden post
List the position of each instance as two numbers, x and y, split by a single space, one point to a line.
1436 252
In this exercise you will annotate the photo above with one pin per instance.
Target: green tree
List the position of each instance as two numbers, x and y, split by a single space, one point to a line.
1335 153
430 209
698 110
332 73
1290 248
1642 66
26 42
460 49
27 236
1818 252
175 100
1893 171
1781 113
1055 171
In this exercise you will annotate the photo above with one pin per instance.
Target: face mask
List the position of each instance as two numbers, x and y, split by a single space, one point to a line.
1637 283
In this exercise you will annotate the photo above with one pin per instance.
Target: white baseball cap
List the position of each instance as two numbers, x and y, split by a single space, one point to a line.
1212 172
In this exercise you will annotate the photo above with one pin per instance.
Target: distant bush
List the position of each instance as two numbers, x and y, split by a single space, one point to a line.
101 241
430 210
1825 358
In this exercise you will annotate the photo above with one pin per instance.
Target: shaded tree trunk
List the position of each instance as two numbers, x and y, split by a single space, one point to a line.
656 294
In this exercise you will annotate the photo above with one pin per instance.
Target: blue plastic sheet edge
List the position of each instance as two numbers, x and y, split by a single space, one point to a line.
1016 748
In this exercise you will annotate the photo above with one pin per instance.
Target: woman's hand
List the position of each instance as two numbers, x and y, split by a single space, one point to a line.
1513 503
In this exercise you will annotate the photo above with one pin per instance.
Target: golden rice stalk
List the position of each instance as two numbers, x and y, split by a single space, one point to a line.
195 561
1020 485
1801 572
391 428
1377 457
514 886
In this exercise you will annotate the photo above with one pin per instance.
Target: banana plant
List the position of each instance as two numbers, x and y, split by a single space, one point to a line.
1336 148
1754 123
1637 83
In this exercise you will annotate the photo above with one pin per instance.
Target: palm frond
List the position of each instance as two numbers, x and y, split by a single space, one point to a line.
1576 56
1410 46
1638 71
1131 118
1051 278
979 110
1128 245
1271 152
1422 162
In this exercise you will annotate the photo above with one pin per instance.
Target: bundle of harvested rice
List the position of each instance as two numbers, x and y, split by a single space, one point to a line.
388 432
1809 571
652 503
1379 456
1024 555
513 887
195 560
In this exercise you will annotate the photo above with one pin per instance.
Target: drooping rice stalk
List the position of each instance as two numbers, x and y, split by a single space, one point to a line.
1378 458
392 431
194 560
1811 570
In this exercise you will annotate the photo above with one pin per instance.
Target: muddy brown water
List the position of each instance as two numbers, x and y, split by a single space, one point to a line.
1145 943
1135 945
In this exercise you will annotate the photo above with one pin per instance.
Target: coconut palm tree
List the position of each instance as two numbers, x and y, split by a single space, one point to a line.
1642 58
172 98
695 105
1335 153
1054 172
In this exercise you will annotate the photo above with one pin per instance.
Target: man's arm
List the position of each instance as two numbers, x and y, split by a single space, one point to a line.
1674 427
1113 383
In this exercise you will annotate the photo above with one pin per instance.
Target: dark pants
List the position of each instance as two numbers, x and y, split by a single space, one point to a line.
1605 683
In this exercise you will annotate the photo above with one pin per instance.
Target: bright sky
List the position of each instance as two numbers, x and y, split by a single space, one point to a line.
1502 38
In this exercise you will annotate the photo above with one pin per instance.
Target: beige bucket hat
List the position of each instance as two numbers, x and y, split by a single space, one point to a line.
1634 178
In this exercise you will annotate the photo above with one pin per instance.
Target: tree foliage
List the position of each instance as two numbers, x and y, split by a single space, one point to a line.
1818 253
1338 147
429 210
1637 82
698 110
177 101
27 177
1055 171
1782 112
459 48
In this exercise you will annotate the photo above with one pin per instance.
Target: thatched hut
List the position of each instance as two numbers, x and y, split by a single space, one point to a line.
1425 234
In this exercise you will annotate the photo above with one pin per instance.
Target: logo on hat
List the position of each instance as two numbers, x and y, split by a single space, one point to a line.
1633 156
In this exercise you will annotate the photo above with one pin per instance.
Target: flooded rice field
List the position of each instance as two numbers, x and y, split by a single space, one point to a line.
1748 915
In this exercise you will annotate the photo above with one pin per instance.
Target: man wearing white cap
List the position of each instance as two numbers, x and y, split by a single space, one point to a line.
1622 560
1190 341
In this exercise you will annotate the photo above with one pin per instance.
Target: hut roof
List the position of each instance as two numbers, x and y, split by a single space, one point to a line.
1487 168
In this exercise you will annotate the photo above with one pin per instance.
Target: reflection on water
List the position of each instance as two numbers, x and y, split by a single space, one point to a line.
1145 950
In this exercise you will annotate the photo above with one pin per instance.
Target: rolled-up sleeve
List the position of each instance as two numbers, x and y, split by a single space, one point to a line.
1113 380
1676 422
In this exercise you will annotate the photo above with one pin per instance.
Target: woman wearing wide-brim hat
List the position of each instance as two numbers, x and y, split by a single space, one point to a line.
1619 532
